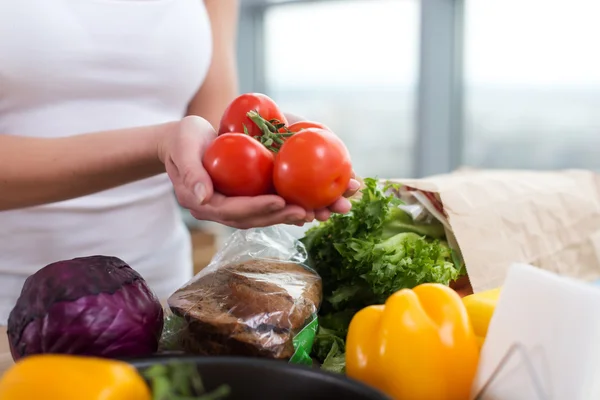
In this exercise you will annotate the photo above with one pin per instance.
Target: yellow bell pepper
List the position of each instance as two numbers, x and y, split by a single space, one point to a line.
420 345
480 307
64 377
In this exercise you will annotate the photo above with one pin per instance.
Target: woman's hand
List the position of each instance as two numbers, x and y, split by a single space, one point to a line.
182 151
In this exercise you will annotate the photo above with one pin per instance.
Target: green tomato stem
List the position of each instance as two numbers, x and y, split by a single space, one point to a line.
271 138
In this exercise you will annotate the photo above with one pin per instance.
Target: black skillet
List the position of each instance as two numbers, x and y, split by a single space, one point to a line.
261 379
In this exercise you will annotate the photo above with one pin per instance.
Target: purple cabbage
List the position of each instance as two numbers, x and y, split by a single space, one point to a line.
95 306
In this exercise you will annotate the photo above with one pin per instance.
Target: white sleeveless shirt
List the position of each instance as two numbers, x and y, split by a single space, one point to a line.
78 66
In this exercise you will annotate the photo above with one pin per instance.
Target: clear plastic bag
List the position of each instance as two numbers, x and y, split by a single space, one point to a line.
257 297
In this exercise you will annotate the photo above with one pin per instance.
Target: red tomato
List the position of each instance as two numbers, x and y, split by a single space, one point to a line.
312 169
234 118
239 165
298 126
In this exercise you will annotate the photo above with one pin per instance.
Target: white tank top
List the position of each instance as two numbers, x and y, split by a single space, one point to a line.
77 66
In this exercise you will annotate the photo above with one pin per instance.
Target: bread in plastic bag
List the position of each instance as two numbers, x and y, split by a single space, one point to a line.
253 299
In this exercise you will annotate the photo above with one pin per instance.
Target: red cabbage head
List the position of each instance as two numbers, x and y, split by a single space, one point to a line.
94 306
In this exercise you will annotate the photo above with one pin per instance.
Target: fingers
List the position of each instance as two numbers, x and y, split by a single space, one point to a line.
292 215
221 208
192 183
322 214
197 134
341 206
240 208
353 187
310 216
268 210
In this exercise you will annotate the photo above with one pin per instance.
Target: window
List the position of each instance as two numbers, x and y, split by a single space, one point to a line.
532 84
351 65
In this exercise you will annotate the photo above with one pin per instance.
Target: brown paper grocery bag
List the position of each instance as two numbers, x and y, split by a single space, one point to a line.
547 219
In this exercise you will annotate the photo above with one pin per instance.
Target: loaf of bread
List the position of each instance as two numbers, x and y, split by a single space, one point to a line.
251 308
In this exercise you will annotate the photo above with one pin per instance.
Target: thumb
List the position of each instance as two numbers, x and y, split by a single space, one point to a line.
202 189
197 134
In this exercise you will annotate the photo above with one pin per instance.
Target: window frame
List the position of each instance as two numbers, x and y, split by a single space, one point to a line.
440 102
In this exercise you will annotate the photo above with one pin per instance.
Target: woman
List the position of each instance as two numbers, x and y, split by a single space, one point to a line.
128 71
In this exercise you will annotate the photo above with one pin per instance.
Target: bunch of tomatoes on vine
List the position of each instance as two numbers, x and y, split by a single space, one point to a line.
257 152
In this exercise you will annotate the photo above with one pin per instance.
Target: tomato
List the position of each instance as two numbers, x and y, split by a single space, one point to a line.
298 126
239 165
312 169
234 118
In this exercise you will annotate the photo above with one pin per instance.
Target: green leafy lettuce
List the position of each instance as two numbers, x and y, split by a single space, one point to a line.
365 256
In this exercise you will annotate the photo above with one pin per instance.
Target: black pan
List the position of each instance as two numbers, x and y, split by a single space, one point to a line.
260 379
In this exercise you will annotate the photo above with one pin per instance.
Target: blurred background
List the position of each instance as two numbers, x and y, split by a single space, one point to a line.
420 87
417 87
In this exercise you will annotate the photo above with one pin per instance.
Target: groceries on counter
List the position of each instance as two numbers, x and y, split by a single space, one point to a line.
260 294
420 345
383 245
374 294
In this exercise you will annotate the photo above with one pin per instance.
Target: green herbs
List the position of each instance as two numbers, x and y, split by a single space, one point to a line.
329 348
173 334
180 381
365 256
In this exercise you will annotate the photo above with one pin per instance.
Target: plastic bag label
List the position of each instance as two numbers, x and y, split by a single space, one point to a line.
303 343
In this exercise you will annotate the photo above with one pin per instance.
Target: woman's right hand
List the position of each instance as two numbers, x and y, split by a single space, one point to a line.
181 151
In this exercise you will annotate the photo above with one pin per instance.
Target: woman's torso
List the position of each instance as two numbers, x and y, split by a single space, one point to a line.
77 66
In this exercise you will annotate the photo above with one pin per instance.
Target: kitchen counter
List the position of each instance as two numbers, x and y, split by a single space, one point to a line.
5 357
